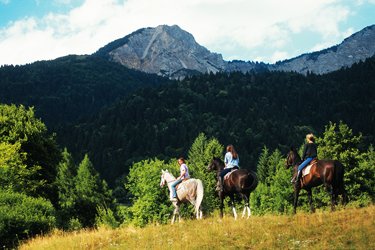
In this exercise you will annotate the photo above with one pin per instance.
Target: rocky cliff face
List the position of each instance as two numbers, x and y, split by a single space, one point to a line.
172 52
164 50
355 48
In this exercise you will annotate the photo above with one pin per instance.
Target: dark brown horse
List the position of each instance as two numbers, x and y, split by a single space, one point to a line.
240 181
329 173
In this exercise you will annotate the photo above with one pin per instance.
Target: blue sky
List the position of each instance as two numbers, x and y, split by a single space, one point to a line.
267 30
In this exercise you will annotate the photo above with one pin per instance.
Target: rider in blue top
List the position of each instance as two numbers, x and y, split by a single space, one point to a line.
184 174
231 161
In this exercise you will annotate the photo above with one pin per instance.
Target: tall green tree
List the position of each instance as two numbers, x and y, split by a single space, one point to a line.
339 143
28 150
274 191
199 156
66 187
15 175
91 192
150 203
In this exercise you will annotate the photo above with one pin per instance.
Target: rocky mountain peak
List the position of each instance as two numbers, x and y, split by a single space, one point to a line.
172 52
164 50
353 49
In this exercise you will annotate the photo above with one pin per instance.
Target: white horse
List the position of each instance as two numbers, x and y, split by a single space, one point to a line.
190 190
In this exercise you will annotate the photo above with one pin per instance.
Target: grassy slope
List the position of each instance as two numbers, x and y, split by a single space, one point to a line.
350 228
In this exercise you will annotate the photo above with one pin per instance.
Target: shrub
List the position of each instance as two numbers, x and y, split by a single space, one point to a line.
22 217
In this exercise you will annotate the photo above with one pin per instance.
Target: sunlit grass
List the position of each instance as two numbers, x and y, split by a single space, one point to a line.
349 228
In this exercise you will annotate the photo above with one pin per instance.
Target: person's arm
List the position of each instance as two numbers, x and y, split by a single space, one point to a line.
227 158
183 171
304 151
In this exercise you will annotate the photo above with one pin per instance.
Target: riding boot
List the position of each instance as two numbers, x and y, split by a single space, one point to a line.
299 174
219 186
296 177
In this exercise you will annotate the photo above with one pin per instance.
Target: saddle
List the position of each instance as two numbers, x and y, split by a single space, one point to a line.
307 169
181 187
228 174
180 184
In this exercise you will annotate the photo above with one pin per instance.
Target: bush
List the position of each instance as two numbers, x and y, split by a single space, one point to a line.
105 218
22 217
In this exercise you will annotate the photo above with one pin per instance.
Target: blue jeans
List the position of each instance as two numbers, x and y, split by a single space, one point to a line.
304 163
173 187
226 170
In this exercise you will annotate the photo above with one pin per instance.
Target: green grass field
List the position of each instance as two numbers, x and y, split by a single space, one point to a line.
349 228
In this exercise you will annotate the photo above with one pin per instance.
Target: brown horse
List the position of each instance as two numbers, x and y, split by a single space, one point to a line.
330 173
239 181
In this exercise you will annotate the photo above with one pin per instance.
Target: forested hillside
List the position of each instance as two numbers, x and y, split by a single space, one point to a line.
272 109
68 88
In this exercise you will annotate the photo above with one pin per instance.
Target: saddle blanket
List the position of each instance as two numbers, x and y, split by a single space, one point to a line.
228 174
182 188
306 170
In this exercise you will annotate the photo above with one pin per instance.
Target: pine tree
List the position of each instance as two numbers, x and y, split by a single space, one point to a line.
65 183
263 164
199 156
91 192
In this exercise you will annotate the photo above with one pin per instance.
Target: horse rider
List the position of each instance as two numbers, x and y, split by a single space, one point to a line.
310 151
231 160
184 174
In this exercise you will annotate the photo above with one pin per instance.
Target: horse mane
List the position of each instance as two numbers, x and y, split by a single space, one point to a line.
219 161
167 172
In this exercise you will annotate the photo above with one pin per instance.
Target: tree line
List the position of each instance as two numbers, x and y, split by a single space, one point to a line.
273 109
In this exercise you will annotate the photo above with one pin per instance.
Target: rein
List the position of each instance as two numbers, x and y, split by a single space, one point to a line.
169 181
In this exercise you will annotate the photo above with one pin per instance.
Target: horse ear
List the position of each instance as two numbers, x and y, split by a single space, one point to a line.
162 171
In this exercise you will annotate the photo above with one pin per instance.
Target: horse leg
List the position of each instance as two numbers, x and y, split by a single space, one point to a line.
309 194
344 196
333 199
221 206
233 206
247 207
173 217
175 212
296 194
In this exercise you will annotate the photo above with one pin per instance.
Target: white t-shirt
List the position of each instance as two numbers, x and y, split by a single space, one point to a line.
182 168
230 162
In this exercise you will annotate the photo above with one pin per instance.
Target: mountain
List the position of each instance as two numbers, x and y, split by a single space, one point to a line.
355 48
172 52
164 50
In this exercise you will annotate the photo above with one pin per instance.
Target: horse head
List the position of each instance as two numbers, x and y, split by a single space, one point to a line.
162 177
166 177
292 158
216 164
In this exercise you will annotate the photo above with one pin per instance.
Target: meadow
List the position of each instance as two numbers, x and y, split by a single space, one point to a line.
347 228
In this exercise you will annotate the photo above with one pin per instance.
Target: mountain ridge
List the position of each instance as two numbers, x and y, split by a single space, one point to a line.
166 50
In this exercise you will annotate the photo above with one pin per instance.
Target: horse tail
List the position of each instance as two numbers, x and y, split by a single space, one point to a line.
200 193
252 176
338 177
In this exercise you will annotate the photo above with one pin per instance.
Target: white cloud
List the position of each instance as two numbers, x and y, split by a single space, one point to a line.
230 27
279 56
4 2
